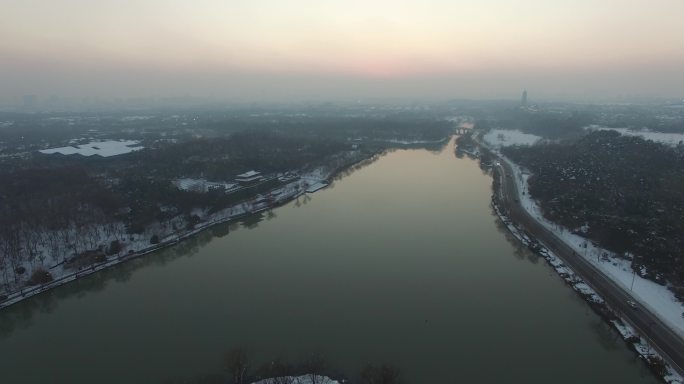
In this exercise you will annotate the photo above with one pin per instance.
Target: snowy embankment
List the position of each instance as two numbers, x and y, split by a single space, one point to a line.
69 253
640 345
56 251
657 298
98 148
671 139
136 245
304 379
563 271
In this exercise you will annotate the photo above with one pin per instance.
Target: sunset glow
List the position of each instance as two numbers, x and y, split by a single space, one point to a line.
378 40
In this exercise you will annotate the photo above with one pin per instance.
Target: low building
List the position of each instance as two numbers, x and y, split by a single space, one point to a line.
249 178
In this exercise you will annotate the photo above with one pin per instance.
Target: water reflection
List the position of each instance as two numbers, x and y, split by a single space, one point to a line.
401 259
606 336
252 221
219 231
20 315
437 148
520 252
358 166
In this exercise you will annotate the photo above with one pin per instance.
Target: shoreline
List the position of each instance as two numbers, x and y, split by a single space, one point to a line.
23 294
665 369
584 290
29 292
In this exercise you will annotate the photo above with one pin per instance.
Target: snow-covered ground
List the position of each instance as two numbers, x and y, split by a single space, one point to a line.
659 137
497 138
657 298
316 175
132 245
304 379
203 185
99 148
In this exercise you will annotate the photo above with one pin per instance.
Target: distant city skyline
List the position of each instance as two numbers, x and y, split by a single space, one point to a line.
303 49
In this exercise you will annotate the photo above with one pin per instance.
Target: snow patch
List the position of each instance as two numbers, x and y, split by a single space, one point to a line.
304 379
98 148
498 138
203 185
671 139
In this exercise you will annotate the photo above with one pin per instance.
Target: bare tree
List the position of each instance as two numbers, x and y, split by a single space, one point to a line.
315 366
280 372
237 365
384 374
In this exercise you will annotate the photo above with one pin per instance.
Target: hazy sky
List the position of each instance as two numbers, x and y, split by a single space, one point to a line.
328 49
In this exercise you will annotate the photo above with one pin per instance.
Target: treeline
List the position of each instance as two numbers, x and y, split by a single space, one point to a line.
48 216
547 124
239 368
622 192
223 157
656 118
76 210
377 128
465 141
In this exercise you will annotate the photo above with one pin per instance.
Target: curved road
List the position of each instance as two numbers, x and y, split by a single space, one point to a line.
661 337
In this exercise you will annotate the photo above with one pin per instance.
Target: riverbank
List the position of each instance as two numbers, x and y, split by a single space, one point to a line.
430 270
635 341
309 182
507 198
23 294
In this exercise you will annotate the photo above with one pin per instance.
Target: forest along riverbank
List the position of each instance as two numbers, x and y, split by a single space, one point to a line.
308 182
401 257
506 203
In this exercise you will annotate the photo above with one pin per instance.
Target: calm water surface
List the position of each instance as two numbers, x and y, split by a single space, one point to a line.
402 261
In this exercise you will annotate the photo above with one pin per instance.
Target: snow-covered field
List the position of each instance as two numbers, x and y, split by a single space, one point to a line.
659 137
497 138
99 148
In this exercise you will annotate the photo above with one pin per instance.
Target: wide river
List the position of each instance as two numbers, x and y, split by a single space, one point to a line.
401 261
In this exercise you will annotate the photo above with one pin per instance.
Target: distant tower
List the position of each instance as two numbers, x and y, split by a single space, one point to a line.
523 99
